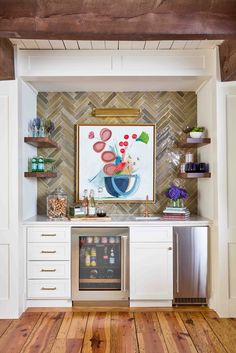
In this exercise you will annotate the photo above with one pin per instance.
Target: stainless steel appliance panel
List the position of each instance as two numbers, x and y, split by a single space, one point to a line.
190 263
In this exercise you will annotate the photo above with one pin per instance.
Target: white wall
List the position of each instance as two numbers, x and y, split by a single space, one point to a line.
27 186
208 189
231 195
17 194
9 192
226 119
27 112
206 104
206 117
217 112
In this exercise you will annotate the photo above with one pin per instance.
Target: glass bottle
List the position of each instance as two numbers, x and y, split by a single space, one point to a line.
91 204
105 256
112 257
34 164
87 257
85 202
40 167
93 257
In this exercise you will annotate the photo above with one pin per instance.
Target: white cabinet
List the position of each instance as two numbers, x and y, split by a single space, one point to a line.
151 264
48 263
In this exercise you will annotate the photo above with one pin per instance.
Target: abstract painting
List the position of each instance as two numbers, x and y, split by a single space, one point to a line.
117 160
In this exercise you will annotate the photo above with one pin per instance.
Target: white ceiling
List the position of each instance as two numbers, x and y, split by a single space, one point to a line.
43 44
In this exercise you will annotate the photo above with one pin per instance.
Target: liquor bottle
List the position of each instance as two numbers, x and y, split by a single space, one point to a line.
87 258
112 257
93 257
82 254
91 204
105 256
85 202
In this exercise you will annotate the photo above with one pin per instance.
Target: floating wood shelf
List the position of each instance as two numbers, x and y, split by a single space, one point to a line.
41 142
194 175
193 142
40 175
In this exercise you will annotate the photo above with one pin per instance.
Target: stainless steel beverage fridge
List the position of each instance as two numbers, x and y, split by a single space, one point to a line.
190 265
100 264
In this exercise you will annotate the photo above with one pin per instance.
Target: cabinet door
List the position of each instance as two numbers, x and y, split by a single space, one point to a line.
151 270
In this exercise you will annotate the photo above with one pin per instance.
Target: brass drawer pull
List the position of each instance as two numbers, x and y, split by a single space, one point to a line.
48 288
48 235
48 252
46 270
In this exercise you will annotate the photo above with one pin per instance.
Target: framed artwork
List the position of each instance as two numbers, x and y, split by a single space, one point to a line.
117 160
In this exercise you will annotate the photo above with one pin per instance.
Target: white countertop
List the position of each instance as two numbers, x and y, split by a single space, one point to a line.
117 220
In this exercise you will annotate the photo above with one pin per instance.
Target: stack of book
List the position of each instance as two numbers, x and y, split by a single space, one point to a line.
176 213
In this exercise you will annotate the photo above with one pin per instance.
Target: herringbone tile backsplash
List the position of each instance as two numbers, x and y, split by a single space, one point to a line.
171 111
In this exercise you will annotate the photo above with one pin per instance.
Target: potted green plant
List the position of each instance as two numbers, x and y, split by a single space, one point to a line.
197 132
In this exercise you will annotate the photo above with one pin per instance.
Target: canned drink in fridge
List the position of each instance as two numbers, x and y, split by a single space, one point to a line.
96 240
104 240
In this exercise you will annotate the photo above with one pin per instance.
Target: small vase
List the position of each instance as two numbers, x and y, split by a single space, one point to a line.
177 203
173 203
180 203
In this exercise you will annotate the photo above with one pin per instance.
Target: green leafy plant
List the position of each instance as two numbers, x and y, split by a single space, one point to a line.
198 129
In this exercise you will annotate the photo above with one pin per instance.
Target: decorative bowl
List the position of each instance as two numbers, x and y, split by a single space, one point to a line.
196 134
117 185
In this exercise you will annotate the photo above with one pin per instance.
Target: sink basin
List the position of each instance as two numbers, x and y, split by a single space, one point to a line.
150 218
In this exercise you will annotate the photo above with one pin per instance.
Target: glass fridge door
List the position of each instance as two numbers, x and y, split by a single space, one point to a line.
99 263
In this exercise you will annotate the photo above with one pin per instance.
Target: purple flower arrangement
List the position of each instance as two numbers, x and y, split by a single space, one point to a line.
175 193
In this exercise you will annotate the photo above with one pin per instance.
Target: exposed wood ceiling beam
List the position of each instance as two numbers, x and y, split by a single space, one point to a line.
228 60
6 60
118 19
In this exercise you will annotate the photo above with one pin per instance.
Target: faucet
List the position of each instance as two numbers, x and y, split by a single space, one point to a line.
146 214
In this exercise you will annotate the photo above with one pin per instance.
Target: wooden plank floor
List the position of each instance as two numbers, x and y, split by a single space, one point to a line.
140 331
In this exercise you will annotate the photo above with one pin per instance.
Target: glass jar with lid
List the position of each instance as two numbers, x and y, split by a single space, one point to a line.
57 204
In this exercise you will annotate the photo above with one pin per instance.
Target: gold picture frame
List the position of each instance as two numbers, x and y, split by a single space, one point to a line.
142 139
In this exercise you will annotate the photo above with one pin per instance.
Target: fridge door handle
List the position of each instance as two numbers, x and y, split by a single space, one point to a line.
124 270
177 262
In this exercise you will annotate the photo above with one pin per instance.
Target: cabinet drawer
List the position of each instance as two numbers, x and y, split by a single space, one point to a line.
49 251
43 234
150 234
48 269
49 289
